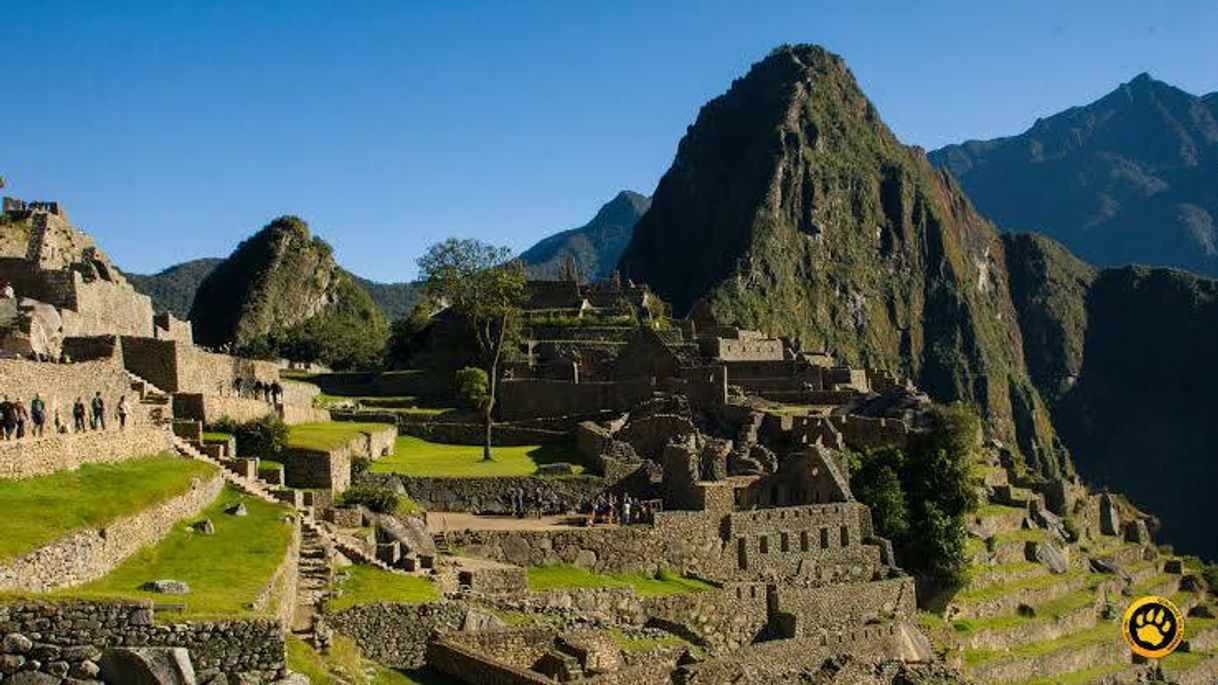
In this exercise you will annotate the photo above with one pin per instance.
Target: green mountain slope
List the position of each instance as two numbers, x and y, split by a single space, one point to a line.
1131 178
595 246
792 208
1125 358
173 289
281 293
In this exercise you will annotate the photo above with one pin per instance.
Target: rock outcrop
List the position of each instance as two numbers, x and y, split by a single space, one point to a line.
281 292
791 208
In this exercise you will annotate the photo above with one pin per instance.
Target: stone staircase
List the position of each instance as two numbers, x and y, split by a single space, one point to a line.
1024 620
284 496
315 573
157 402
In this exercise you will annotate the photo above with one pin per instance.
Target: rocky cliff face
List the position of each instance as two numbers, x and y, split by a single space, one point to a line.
1125 359
1131 178
595 247
790 207
281 292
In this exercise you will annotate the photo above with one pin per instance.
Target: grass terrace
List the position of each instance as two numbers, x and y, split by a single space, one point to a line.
369 585
660 585
39 511
417 457
225 571
328 435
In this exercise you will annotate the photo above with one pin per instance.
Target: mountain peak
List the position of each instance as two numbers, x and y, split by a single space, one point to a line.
595 246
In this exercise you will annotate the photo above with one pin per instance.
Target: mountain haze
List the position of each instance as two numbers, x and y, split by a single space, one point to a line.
1131 178
791 208
595 246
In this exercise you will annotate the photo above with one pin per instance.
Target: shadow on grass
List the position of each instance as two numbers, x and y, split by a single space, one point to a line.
563 452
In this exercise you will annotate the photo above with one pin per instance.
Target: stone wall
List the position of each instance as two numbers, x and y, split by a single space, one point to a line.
169 327
826 542
803 612
464 655
744 349
487 495
520 399
452 433
720 619
67 451
61 384
63 636
312 469
859 432
293 414
103 307
278 595
176 367
89 554
397 634
211 408
93 348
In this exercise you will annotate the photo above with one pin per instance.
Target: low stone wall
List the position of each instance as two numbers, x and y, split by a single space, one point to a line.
528 398
211 408
721 619
67 451
90 554
397 634
806 612
502 435
278 596
304 468
64 636
488 495
293 414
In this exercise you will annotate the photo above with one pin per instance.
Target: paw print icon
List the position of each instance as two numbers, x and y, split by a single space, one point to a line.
1153 627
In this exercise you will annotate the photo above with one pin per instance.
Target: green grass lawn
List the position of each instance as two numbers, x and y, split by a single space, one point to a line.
329 435
225 571
368 585
38 511
663 584
417 457
216 436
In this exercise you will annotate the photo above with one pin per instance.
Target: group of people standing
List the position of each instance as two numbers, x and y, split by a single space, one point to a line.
17 421
624 510
256 389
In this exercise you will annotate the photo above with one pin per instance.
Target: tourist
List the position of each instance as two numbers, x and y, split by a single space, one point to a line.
60 426
277 392
38 414
626 510
99 411
78 415
236 387
21 416
123 410
7 292
258 389
8 419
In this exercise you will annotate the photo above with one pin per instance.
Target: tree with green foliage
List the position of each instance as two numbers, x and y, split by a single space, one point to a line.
472 385
485 286
263 437
919 495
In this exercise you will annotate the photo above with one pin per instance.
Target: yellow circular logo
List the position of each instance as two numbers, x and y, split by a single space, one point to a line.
1153 627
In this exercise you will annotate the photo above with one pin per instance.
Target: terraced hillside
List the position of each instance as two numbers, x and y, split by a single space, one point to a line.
1046 594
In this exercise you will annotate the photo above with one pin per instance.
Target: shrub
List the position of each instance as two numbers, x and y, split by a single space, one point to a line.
473 386
360 463
380 500
264 437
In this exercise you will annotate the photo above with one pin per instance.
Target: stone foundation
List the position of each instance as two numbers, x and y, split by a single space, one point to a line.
397 634
68 634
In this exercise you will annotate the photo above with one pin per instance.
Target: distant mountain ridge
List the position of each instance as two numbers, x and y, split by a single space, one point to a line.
1131 178
595 247
173 289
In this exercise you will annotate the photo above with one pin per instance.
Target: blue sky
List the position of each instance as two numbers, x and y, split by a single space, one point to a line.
172 129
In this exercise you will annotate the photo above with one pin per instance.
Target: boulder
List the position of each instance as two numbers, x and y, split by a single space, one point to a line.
237 509
166 587
477 619
1053 557
147 666
11 663
410 532
1136 532
205 527
555 469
